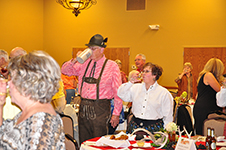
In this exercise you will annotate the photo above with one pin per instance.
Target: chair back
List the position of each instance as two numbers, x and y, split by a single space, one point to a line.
70 143
68 124
217 114
217 123
216 120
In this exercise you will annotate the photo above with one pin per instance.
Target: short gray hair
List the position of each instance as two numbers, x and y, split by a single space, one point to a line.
4 54
17 51
36 75
142 55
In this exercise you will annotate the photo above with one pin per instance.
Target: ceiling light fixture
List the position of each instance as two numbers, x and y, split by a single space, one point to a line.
76 5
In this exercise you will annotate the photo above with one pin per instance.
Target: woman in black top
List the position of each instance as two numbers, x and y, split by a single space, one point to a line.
209 82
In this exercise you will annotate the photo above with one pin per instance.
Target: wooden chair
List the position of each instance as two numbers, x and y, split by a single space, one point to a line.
70 142
216 120
68 124
216 123
216 114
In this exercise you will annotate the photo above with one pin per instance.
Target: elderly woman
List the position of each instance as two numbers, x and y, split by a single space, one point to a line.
34 80
187 82
152 104
123 74
209 82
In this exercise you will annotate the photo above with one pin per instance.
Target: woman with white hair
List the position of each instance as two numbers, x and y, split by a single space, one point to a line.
34 80
152 104
187 82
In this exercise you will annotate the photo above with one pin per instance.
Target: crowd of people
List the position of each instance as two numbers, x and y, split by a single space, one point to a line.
40 89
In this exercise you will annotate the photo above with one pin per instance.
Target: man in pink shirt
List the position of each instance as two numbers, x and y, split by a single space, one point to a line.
99 79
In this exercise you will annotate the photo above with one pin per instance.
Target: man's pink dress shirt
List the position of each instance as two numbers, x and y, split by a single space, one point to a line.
109 83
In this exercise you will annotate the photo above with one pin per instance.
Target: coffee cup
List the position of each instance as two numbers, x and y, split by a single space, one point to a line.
83 56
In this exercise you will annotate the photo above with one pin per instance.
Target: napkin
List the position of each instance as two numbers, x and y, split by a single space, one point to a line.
220 138
105 140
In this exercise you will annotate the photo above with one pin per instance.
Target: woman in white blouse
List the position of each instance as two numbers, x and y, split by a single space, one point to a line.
221 95
152 104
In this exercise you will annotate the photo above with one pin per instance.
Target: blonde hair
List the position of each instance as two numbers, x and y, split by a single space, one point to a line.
118 61
188 64
216 67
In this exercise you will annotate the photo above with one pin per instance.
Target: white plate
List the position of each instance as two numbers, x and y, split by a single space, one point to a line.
145 145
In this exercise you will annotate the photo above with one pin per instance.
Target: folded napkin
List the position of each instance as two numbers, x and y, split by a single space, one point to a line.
85 147
220 138
106 141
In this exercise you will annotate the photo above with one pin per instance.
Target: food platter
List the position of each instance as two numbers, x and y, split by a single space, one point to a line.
146 145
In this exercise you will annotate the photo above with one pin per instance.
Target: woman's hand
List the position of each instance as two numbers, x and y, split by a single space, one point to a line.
3 91
134 78
185 71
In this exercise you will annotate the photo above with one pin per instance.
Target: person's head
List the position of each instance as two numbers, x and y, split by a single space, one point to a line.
140 61
35 75
188 66
97 44
17 51
119 63
4 58
151 72
216 67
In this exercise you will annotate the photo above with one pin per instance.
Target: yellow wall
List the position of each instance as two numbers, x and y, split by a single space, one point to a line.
21 24
55 29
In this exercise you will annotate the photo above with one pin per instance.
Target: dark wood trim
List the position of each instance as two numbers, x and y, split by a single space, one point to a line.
170 87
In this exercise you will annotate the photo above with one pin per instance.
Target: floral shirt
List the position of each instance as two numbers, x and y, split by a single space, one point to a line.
40 131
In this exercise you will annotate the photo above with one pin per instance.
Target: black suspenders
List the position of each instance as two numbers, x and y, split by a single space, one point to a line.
98 80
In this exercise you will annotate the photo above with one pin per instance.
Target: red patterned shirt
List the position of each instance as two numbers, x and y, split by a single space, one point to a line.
109 83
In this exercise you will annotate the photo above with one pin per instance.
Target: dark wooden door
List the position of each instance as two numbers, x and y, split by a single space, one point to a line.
198 57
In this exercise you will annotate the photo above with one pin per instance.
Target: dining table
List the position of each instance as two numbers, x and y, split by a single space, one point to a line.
91 145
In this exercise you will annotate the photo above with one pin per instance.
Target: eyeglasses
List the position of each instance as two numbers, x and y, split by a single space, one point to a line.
146 71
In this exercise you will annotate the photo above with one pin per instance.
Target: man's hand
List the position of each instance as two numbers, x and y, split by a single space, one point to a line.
74 60
114 121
